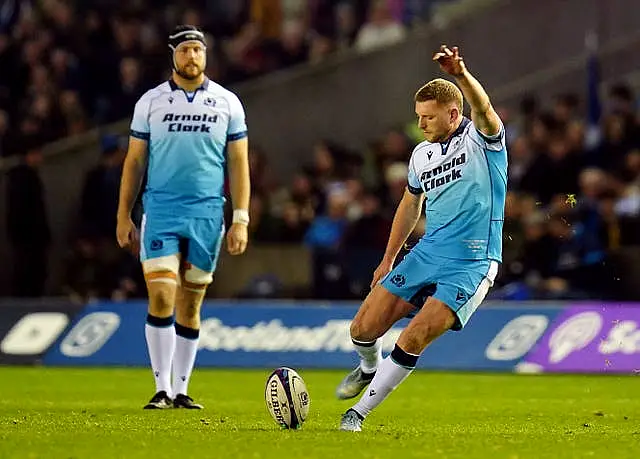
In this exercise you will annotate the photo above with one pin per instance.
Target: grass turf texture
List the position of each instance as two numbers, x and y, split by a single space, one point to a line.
97 413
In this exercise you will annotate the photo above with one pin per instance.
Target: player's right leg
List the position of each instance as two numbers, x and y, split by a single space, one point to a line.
377 314
461 287
160 257
433 319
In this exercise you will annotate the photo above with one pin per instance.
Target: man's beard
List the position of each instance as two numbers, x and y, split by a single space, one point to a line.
190 76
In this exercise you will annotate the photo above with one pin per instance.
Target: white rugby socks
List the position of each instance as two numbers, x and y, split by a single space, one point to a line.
370 353
393 370
161 343
184 357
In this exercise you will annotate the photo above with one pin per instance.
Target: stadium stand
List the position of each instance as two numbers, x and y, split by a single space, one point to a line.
574 199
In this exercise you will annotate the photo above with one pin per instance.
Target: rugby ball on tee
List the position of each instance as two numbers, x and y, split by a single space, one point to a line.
287 398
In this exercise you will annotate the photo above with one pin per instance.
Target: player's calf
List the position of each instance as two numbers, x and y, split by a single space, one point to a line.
429 323
189 302
379 311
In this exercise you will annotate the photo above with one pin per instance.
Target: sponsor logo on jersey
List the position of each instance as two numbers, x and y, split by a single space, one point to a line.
189 122
445 173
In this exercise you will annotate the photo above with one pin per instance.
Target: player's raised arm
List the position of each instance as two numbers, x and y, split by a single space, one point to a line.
483 115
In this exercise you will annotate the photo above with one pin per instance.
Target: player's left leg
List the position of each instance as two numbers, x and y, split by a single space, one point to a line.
456 298
191 293
199 261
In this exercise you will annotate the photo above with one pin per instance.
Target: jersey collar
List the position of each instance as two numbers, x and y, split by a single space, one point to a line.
461 128
457 132
204 86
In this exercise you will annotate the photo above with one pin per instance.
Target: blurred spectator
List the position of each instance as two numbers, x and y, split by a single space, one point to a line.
131 87
395 181
565 109
84 273
346 26
4 133
521 157
371 229
10 12
94 270
327 230
380 30
293 48
614 146
28 227
99 201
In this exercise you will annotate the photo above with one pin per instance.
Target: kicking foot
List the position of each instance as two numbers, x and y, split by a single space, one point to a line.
353 384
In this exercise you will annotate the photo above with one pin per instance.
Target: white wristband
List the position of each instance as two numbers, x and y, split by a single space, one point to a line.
241 216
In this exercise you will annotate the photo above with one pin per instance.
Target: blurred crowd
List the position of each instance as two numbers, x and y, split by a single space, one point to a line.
75 64
574 186
573 201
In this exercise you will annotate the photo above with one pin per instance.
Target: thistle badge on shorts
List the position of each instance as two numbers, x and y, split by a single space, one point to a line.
398 280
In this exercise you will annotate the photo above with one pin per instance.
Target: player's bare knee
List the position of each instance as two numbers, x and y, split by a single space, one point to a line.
359 328
363 330
161 300
161 276
355 330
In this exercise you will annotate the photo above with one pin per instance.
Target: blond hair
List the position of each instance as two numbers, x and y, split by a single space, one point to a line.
442 91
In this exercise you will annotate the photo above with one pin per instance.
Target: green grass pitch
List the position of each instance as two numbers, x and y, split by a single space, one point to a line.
96 413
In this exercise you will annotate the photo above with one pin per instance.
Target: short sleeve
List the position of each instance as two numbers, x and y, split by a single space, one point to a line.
494 142
237 123
140 122
413 182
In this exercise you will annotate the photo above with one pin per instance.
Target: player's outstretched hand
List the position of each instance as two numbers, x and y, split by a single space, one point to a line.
450 60
237 238
127 235
382 270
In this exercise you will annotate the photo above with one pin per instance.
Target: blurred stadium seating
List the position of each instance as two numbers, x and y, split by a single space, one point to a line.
572 227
